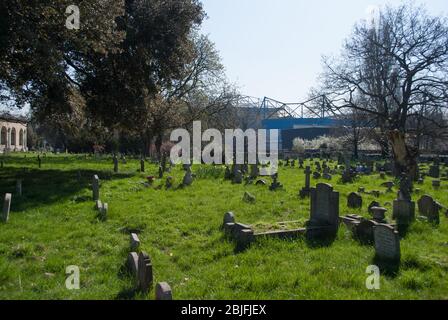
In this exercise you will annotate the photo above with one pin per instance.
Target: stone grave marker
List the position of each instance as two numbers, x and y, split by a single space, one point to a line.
142 165
135 242
354 200
132 263
387 243
429 208
434 171
305 192
163 291
96 188
145 275
19 188
6 207
115 164
324 207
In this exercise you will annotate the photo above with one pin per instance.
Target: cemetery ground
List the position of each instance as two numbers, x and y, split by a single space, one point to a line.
54 225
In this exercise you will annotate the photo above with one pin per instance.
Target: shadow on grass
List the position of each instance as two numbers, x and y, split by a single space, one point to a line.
45 187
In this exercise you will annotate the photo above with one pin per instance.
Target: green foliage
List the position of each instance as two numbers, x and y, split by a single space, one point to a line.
52 227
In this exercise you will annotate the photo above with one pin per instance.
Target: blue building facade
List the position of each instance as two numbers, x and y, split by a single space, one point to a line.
305 128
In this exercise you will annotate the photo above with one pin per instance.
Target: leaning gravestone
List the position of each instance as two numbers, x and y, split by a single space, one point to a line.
135 242
429 208
145 276
324 211
96 188
6 207
387 243
132 263
354 200
163 291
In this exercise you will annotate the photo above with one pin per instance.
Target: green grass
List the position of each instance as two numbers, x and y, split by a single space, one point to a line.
54 225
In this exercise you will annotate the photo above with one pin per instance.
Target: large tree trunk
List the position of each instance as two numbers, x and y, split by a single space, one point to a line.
405 157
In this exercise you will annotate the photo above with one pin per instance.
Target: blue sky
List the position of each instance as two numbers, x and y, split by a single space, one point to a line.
274 47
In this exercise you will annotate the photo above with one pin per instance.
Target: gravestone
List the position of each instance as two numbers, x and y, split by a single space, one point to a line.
305 192
229 217
238 177
248 197
324 207
39 161
132 263
379 214
275 185
135 242
19 188
188 178
387 243
142 165
145 275
115 164
354 200
96 188
436 184
6 207
373 204
434 171
429 208
403 211
163 291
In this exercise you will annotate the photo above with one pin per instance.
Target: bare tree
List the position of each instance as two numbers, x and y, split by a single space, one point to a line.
396 64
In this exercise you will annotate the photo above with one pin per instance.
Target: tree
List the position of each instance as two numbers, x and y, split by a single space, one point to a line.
396 64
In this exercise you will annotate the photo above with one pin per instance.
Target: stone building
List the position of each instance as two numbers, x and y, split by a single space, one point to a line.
13 131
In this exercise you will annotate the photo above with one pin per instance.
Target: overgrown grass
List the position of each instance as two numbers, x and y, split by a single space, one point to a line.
54 225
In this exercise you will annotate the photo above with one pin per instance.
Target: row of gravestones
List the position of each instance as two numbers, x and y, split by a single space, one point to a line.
139 264
324 223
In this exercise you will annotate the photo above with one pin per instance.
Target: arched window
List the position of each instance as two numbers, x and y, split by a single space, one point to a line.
3 136
21 137
13 136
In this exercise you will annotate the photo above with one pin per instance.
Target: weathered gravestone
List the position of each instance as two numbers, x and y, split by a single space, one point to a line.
115 164
132 263
324 216
354 200
96 188
305 192
6 207
145 275
248 197
135 242
163 291
188 178
238 177
429 208
434 171
142 165
387 243
19 188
